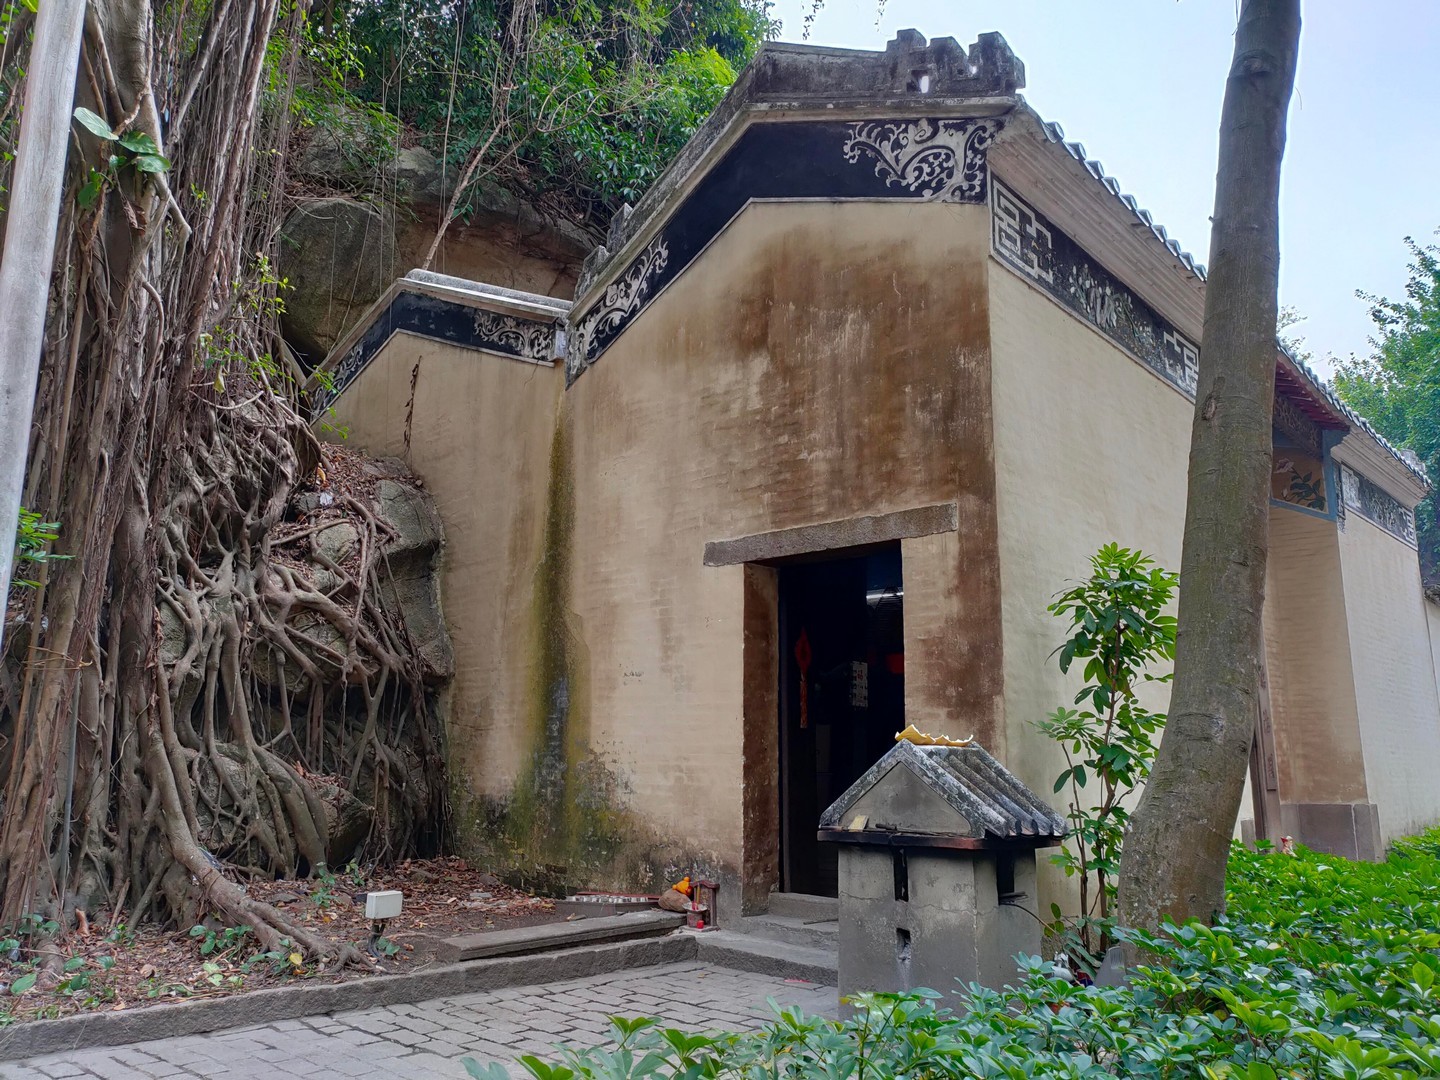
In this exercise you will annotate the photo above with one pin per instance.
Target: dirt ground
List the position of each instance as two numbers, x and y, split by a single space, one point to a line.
108 965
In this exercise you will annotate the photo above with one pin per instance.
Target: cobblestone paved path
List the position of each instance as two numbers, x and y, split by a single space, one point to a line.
426 1040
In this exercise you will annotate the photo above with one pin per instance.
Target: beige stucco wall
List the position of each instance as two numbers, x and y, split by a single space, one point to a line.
479 436
819 362
1090 448
1312 695
1394 668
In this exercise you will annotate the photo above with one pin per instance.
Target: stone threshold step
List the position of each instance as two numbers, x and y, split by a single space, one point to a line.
809 933
524 940
743 952
803 906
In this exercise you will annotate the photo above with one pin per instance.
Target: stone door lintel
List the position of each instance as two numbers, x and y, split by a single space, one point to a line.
834 535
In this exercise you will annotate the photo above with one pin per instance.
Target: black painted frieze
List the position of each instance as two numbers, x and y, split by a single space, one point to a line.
443 320
1027 241
1370 501
920 159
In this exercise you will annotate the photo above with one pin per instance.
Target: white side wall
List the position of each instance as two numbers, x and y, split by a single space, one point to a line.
1395 687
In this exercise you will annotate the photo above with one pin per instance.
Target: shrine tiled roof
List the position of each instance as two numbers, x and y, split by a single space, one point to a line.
978 788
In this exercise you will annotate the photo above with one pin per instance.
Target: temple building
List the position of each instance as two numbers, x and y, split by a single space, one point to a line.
836 409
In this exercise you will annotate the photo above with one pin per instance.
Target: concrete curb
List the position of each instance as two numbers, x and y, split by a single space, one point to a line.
292 1002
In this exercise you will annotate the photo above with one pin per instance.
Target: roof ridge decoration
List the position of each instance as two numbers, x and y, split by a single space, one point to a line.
908 64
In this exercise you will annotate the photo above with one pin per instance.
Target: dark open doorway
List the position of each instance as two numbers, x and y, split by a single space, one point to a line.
842 694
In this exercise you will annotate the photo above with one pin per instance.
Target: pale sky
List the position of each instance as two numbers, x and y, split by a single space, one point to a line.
1140 82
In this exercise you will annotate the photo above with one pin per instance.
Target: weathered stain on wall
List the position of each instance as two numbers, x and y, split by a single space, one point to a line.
564 816
819 362
760 855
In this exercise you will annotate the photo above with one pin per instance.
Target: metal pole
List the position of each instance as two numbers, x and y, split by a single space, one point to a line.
29 253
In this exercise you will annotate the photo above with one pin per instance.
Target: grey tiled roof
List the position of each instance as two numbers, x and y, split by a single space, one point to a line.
1056 134
974 784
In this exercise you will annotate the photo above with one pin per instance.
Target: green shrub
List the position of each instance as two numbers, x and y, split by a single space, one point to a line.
1322 968
1118 629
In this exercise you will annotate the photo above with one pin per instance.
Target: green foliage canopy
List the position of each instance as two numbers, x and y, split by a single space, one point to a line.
1397 388
586 100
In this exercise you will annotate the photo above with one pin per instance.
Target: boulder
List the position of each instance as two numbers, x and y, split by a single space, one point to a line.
412 589
369 165
337 542
411 513
338 256
419 180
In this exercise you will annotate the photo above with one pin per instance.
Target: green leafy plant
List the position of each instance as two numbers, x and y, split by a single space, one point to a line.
76 977
156 988
587 105
323 895
1118 629
1323 968
33 540
1397 387
385 947
257 300
226 941
132 149
221 978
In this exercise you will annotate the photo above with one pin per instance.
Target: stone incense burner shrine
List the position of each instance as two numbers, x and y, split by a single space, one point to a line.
937 868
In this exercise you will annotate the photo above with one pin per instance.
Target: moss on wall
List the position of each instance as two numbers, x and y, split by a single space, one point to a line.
548 814
599 844
565 823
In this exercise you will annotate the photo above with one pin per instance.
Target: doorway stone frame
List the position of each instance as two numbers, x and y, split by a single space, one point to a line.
758 555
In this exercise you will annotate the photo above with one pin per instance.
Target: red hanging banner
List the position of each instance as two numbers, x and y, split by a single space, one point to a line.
803 658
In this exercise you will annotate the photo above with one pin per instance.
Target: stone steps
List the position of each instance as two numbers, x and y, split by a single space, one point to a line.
804 906
764 956
561 935
791 930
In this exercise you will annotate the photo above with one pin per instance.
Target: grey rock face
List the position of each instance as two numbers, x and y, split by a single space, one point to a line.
412 588
356 155
338 256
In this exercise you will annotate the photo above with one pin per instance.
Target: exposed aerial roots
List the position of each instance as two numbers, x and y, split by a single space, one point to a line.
196 694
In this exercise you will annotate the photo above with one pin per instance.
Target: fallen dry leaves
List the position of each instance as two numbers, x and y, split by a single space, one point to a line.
111 966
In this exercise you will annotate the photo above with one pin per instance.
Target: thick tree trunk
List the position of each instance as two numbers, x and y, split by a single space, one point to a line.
1173 864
